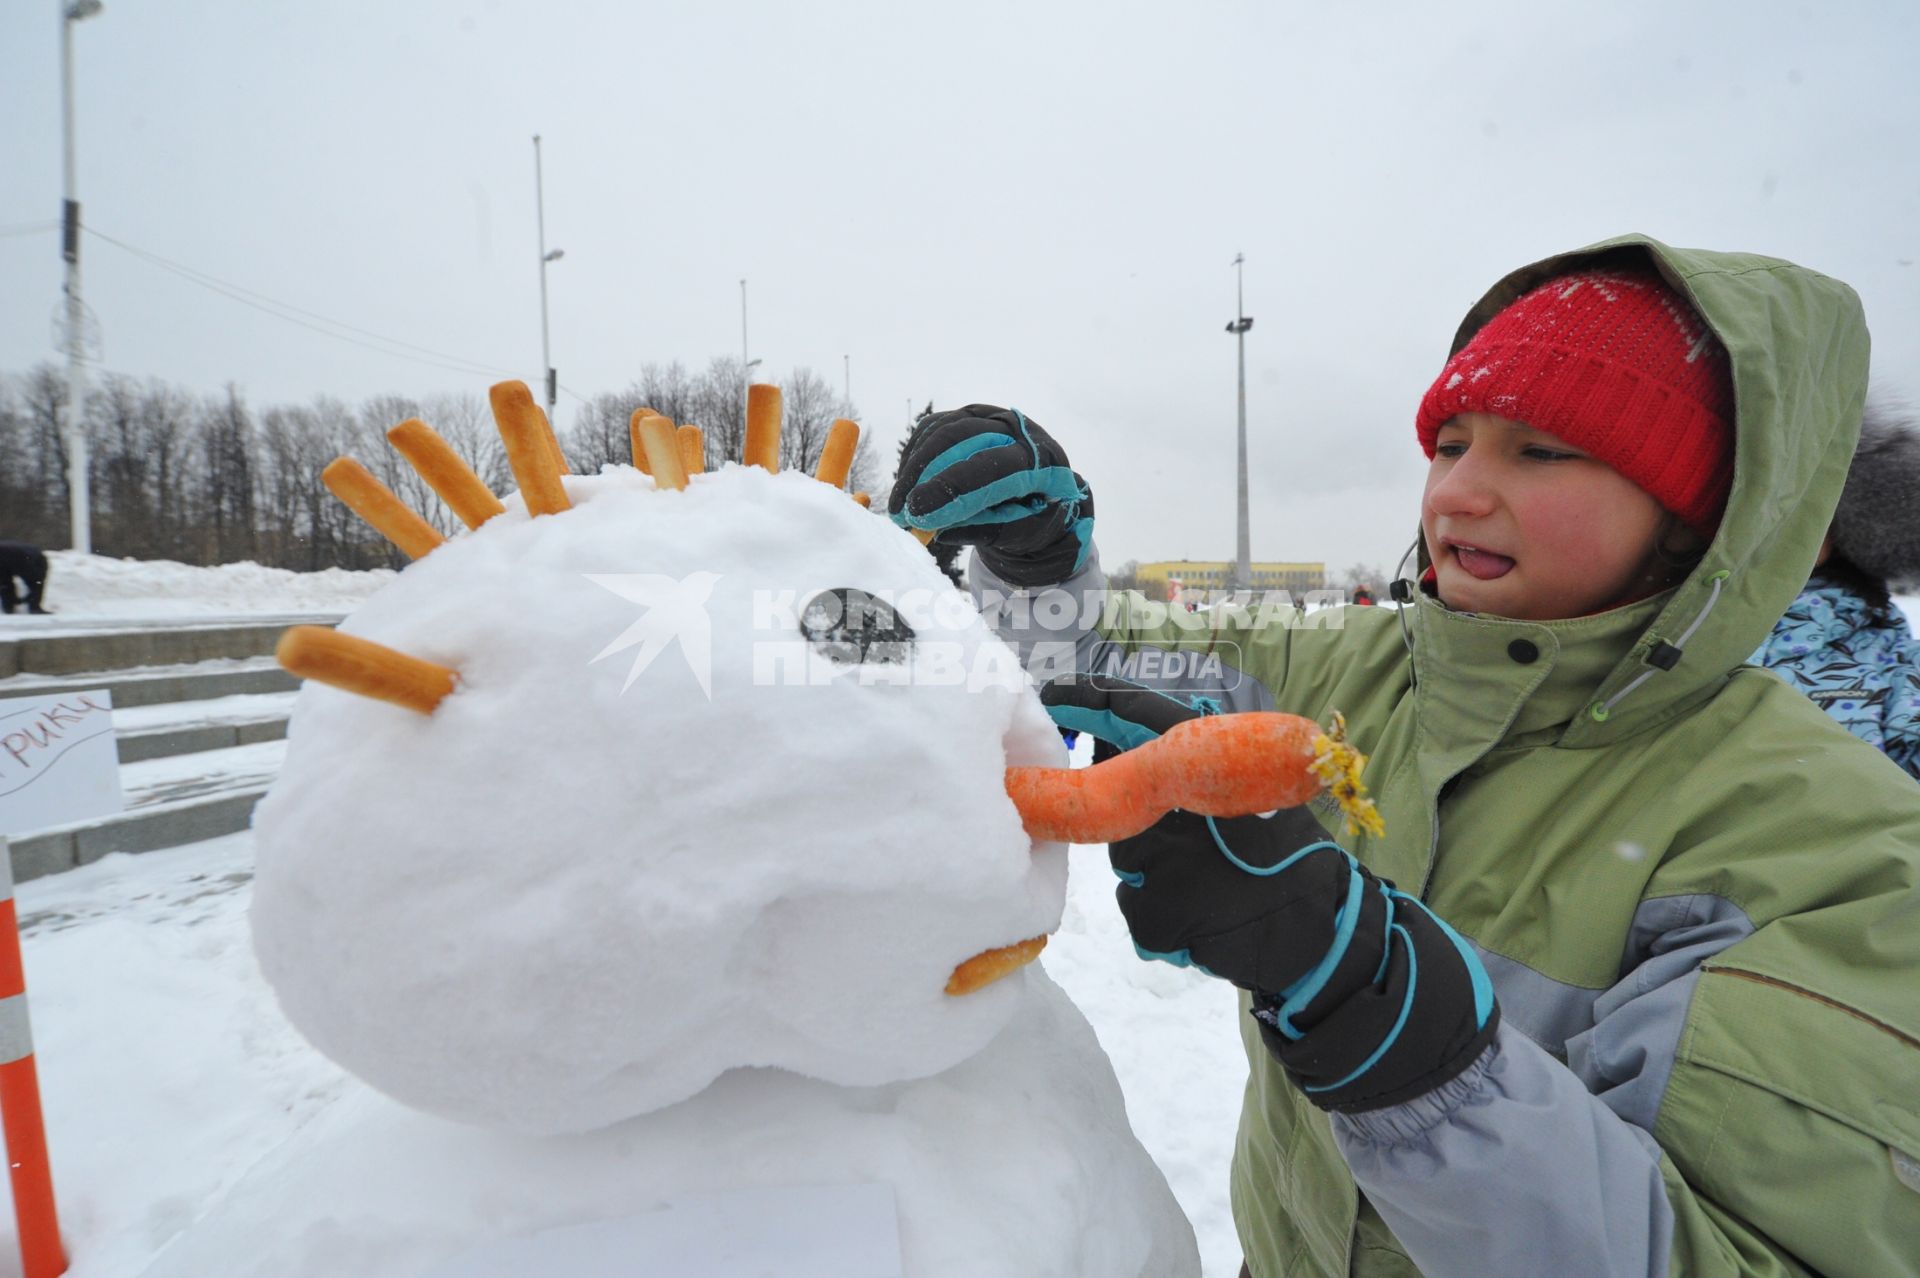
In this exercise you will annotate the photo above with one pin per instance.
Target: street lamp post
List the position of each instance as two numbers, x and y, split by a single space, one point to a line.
746 365
1243 562
540 216
78 497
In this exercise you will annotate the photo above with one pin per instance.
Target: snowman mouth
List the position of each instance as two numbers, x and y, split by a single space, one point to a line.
988 966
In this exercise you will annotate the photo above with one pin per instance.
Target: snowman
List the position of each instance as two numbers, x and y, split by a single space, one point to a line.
645 850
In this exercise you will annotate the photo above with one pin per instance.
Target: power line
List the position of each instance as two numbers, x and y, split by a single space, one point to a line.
273 306
29 228
291 314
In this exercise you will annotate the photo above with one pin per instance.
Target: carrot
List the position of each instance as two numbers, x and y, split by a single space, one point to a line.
1220 765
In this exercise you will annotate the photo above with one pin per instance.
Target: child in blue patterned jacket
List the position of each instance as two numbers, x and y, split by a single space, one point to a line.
1844 642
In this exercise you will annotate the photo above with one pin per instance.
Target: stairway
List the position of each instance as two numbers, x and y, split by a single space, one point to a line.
199 715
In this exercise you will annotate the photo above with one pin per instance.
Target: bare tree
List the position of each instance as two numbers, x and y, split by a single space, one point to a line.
809 407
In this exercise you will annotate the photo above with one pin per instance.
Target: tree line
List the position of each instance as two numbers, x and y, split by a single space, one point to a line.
207 479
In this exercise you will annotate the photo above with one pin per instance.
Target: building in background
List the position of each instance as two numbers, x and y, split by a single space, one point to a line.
1205 577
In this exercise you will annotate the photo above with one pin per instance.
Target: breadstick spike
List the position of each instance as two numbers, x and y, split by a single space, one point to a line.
836 458
693 449
662 443
374 502
532 450
988 966
923 535
865 499
434 460
763 427
638 444
364 667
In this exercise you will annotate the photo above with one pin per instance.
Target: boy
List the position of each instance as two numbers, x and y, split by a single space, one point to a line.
1631 983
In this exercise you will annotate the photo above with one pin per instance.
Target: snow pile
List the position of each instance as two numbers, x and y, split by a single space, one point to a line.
991 1164
94 587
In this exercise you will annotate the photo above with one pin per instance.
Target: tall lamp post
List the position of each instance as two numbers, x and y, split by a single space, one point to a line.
1242 566
746 365
540 216
78 503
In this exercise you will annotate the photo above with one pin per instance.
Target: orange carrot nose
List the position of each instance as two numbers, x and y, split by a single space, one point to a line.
1224 765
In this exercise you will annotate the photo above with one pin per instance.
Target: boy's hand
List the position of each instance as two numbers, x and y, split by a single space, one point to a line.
1363 994
991 478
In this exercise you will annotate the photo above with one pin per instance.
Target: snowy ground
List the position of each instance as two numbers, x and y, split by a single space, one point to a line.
167 1069
87 591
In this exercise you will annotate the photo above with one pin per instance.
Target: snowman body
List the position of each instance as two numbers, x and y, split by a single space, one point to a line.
664 899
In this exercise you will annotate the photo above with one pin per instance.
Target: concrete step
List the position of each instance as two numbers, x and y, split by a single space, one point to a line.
183 727
170 801
199 681
75 648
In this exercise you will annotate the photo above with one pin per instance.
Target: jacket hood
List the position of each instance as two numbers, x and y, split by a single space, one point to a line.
1798 347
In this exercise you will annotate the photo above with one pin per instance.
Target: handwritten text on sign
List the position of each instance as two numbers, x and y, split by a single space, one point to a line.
57 760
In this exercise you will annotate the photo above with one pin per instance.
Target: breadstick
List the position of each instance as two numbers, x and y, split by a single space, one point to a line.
763 427
364 667
374 502
434 460
532 450
693 449
662 444
836 458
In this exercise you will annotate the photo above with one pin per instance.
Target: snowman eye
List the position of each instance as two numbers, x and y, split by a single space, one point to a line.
850 626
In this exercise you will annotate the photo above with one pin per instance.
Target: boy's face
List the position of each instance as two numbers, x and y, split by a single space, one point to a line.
1521 524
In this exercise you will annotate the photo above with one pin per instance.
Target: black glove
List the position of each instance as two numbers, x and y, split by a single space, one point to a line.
990 478
1363 994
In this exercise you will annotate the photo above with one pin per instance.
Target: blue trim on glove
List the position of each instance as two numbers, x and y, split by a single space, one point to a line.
1082 530
1177 958
1406 1010
1295 998
1105 725
1006 499
1476 970
961 451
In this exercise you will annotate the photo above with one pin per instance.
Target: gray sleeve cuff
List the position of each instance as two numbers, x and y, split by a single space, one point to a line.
1407 1123
1514 1167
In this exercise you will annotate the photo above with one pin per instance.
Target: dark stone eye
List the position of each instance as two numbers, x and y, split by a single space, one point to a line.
850 626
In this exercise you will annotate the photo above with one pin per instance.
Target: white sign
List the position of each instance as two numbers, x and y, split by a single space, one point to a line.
57 760
837 1231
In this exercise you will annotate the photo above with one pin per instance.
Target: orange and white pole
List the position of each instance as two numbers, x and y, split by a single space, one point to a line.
41 1255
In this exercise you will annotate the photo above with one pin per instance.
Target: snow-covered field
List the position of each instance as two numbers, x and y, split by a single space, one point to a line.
86 591
168 1070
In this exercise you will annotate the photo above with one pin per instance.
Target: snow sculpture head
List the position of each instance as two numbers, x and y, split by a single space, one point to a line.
670 820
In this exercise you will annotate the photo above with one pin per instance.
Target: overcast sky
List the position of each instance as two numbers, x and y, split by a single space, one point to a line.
1033 204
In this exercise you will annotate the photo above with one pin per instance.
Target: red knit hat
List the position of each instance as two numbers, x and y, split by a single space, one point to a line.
1617 364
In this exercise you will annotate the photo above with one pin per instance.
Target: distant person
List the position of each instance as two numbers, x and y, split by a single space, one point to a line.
29 564
1844 642
1363 597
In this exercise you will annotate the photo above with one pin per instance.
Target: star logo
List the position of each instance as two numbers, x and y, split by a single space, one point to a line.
675 610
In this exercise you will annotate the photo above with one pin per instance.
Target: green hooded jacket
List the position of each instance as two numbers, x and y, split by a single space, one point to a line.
1695 893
